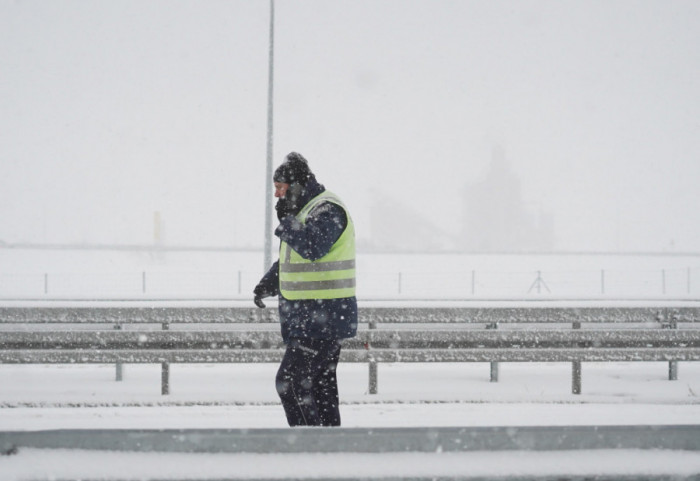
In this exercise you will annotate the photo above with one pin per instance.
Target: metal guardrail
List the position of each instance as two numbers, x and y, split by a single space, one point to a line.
360 440
378 315
380 339
373 346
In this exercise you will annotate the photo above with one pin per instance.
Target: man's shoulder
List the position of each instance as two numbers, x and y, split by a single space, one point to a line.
327 207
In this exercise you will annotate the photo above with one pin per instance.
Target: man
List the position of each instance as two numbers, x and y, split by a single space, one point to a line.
315 280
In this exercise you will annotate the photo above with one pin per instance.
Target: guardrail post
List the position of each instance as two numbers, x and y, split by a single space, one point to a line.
494 364
672 365
373 371
165 379
119 366
165 370
576 370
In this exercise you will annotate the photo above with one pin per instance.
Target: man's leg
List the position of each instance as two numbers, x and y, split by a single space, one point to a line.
294 383
326 386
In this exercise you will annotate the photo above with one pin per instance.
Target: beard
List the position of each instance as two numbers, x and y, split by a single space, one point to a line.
289 204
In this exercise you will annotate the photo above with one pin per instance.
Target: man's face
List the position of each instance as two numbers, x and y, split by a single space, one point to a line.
281 189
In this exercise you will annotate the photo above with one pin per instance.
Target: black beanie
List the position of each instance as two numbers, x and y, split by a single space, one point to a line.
294 169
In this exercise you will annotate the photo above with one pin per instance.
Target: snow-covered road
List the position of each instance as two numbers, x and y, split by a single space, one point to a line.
421 395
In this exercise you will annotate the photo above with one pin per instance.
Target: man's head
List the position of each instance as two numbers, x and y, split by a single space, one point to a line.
294 170
291 179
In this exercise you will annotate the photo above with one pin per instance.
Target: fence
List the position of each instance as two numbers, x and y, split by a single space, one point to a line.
470 284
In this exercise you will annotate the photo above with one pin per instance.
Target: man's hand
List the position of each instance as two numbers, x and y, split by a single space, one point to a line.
259 293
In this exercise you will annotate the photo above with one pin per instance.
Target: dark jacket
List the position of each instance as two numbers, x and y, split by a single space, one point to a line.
312 318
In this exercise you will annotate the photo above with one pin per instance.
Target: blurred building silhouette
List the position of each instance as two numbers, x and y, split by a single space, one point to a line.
496 218
395 227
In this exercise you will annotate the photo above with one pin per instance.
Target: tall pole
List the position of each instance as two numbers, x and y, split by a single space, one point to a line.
268 171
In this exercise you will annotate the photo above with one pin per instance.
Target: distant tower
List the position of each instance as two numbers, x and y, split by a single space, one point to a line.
495 218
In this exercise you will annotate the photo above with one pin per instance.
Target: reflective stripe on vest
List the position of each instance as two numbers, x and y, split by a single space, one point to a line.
330 277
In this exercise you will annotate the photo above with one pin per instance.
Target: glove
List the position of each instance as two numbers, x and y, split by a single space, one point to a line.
259 293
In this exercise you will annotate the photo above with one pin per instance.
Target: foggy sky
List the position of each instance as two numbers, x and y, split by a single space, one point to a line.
113 110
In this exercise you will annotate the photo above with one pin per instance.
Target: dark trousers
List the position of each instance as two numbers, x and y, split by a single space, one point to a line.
306 382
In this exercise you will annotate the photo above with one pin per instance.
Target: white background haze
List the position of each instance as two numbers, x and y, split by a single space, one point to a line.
112 111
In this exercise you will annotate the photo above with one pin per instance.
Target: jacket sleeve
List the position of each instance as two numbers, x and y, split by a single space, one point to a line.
269 285
314 239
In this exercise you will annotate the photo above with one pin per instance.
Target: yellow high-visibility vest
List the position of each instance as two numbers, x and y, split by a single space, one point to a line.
330 277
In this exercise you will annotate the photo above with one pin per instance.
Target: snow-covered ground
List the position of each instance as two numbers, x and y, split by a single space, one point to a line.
622 385
122 274
423 395
410 395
